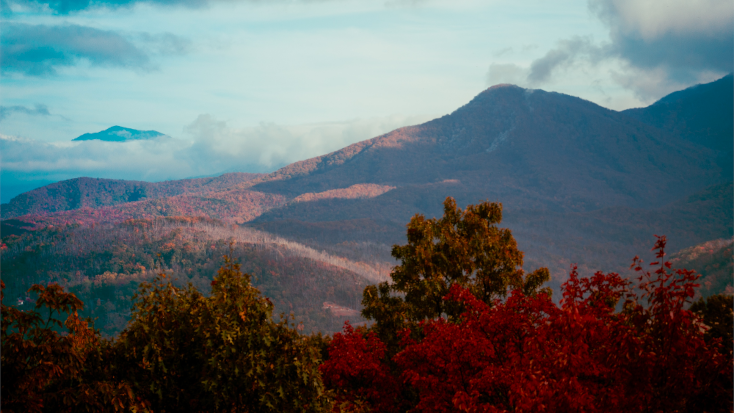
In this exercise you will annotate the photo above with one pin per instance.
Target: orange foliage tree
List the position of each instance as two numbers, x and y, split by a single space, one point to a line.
54 366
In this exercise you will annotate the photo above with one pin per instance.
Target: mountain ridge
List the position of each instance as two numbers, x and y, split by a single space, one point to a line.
578 183
544 155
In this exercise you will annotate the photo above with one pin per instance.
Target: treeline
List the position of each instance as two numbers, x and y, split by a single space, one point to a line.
459 327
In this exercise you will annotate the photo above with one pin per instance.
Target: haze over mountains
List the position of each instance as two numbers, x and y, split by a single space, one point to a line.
579 183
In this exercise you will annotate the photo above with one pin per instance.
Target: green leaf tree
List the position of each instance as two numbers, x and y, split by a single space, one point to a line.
462 247
186 351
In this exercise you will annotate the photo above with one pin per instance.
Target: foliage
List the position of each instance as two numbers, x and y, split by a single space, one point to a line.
460 328
47 370
353 192
181 351
462 248
610 346
528 355
104 264
358 372
717 312
185 351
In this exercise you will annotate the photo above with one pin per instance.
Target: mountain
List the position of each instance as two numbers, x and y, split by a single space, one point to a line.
701 114
578 183
120 134
524 147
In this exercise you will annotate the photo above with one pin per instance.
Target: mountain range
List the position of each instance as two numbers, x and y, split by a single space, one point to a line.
579 183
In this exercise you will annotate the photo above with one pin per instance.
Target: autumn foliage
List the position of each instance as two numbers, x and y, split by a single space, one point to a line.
181 351
50 365
461 328
612 345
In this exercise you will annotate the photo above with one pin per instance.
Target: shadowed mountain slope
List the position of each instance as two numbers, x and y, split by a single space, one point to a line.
524 147
701 114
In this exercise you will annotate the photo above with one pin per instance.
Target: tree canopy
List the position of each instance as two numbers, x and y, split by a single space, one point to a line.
448 337
461 327
461 248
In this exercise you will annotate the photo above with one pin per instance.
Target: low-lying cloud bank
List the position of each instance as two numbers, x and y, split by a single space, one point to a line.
207 147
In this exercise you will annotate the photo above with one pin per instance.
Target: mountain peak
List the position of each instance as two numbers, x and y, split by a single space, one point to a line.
121 134
503 86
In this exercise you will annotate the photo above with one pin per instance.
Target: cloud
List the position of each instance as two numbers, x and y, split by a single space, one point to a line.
38 50
563 56
38 110
647 84
269 145
652 19
685 37
70 6
211 147
165 44
659 46
566 54
506 73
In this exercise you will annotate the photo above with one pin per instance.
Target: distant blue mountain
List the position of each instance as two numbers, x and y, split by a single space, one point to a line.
120 134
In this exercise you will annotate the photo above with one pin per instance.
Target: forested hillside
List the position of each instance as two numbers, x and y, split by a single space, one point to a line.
461 324
578 183
714 260
104 264
94 193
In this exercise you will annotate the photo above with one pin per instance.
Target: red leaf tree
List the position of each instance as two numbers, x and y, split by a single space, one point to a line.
610 346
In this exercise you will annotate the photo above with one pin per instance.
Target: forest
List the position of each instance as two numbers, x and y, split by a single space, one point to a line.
457 324
104 264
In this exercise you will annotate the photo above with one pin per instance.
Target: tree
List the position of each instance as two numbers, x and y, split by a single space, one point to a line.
54 366
184 351
462 248
612 345
528 355
356 369
717 312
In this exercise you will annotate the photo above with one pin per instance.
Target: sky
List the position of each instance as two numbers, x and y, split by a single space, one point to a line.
252 85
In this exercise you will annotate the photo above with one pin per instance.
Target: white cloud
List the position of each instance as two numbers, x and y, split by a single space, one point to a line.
270 145
652 19
213 147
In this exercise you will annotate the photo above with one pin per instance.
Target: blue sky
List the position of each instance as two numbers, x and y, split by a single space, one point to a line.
251 85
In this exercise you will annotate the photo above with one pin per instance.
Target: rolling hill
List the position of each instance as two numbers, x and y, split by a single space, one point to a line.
95 193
